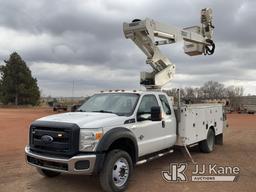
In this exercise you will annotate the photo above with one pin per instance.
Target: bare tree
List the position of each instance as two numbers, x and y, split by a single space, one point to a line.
213 90
234 94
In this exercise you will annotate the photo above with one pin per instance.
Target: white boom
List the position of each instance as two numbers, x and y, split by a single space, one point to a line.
149 34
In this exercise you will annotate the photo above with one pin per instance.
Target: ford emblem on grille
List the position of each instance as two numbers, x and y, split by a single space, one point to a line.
47 139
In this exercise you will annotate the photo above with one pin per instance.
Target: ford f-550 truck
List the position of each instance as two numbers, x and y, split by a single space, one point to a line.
113 131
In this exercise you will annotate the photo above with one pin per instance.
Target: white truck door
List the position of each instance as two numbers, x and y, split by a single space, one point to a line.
149 133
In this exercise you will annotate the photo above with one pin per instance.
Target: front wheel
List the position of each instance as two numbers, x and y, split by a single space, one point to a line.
116 172
47 173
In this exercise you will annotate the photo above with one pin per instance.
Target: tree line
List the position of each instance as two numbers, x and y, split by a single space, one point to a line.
209 91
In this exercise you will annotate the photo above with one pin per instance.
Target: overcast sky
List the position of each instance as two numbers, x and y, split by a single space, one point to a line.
82 41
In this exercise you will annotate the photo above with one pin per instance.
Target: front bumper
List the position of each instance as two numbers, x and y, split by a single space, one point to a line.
79 164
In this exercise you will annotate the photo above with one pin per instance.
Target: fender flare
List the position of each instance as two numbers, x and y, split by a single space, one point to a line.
113 135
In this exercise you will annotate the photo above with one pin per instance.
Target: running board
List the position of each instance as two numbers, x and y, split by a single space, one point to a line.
154 157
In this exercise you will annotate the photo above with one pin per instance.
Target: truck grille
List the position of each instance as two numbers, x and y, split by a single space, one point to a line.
54 138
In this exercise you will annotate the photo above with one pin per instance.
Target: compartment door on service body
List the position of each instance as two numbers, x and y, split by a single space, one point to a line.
148 133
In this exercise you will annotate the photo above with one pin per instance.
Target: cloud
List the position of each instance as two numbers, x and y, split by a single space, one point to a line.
83 41
86 79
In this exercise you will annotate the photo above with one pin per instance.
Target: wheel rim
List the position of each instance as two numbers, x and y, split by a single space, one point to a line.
210 140
120 172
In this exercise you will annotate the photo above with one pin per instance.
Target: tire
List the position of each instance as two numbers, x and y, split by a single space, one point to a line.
207 145
116 172
47 173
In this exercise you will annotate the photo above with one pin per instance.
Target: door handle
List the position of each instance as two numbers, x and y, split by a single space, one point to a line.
163 124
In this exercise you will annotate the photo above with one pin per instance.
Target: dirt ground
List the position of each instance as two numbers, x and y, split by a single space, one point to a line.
239 149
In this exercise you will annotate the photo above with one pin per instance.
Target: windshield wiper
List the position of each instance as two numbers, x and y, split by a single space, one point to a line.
103 111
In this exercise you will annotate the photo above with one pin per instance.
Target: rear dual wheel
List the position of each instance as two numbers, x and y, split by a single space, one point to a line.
207 145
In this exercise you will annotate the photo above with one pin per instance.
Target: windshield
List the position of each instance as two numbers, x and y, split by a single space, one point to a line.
118 103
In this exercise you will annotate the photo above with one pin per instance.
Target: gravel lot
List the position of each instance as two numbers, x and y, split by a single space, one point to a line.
239 149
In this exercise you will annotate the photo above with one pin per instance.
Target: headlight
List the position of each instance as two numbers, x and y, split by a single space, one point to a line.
89 139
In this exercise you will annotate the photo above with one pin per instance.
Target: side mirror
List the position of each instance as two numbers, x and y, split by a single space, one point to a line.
156 114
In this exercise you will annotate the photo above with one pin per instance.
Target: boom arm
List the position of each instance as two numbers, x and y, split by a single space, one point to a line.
149 34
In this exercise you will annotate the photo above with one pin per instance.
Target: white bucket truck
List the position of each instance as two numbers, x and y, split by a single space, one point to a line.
115 130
